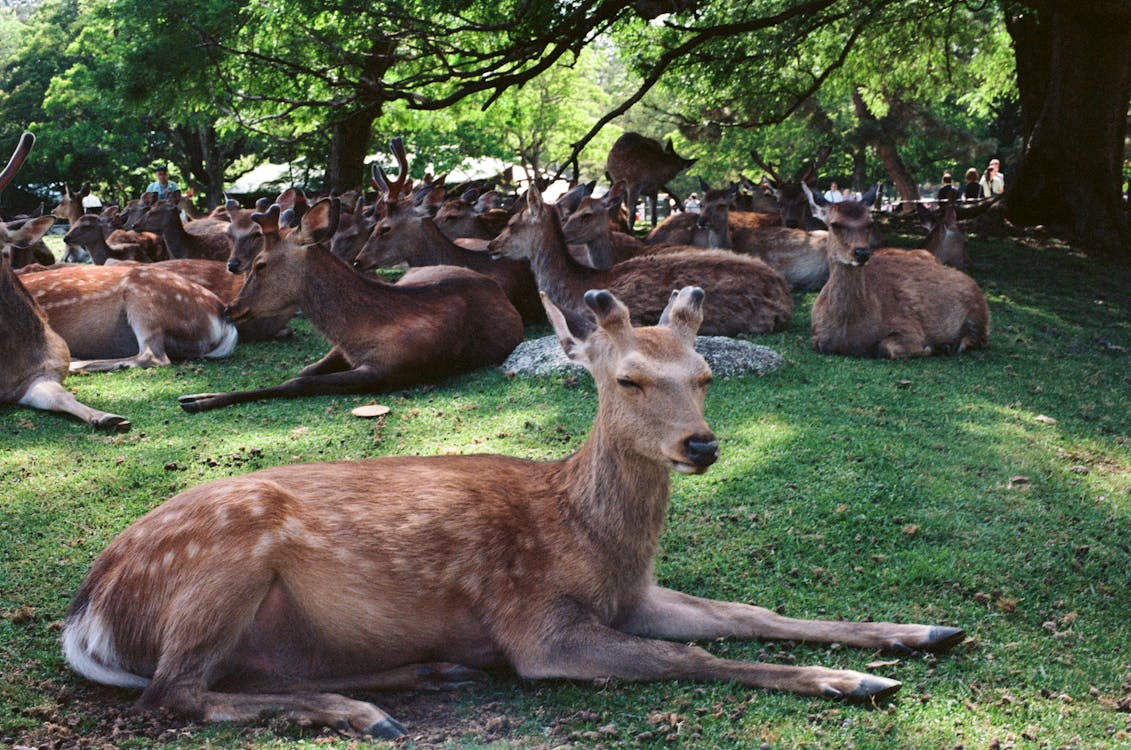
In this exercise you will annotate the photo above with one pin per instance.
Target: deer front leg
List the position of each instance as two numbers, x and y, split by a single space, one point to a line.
52 396
587 650
333 361
668 614
364 379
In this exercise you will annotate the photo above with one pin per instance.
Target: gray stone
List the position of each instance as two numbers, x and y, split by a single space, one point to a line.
725 355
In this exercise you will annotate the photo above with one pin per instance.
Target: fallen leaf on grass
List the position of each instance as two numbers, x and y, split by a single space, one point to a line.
911 529
1018 481
370 410
1044 419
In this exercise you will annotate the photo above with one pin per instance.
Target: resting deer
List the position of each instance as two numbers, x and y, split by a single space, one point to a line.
796 254
588 224
113 317
793 206
945 239
890 303
90 232
471 215
749 296
646 166
384 336
203 238
403 236
291 584
36 359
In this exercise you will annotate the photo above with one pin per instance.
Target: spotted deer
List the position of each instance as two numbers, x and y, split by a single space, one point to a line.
272 593
646 166
36 359
890 303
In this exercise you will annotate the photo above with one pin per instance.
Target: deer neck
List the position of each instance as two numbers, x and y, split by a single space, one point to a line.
22 322
601 249
436 249
617 498
555 270
333 294
721 238
175 236
848 294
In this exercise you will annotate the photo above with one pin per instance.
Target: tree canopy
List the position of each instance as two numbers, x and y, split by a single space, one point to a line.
899 89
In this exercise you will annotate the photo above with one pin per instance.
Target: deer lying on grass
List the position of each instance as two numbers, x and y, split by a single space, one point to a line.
796 254
890 303
646 166
291 583
588 224
403 236
749 296
945 239
36 359
203 238
793 206
471 215
90 232
113 317
384 336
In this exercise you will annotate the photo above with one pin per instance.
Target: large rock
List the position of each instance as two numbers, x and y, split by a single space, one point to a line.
725 355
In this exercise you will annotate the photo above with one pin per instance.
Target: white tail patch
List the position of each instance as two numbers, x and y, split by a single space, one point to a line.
228 343
88 646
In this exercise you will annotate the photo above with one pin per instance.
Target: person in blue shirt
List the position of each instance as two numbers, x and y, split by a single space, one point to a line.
165 189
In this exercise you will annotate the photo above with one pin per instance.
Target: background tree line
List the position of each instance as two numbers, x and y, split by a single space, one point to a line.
900 89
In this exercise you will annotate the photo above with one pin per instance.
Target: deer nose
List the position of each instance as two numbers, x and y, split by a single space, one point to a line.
701 450
861 255
233 266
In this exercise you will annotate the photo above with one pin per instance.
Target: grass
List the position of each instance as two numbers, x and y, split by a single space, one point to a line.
990 490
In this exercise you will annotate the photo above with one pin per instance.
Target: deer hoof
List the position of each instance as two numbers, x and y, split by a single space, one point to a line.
192 403
387 728
873 689
943 639
111 423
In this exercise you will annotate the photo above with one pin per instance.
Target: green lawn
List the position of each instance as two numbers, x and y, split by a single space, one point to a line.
990 490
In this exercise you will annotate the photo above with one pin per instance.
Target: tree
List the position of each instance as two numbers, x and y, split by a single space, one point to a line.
1074 79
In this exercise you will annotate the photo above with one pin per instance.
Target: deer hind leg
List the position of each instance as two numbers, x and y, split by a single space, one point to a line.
585 649
903 346
668 614
52 396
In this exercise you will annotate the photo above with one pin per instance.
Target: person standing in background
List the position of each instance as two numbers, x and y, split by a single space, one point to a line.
992 182
164 189
972 190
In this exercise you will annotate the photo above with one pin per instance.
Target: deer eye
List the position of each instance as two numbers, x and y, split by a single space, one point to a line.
384 230
629 383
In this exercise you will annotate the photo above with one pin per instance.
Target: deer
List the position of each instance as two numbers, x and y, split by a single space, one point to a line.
945 239
646 166
36 358
116 317
793 206
749 296
103 243
272 593
203 238
890 303
797 254
24 241
70 209
384 336
403 236
471 215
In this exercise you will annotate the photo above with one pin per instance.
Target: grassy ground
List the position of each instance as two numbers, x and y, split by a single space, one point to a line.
990 490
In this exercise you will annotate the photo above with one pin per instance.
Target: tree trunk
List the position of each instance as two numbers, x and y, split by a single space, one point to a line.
877 135
1071 172
349 144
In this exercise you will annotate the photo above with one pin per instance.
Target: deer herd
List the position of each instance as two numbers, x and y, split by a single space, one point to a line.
275 592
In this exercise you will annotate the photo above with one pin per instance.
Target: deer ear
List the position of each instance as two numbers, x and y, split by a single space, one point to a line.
684 313
534 202
268 219
615 196
870 197
612 314
320 222
816 202
572 344
31 230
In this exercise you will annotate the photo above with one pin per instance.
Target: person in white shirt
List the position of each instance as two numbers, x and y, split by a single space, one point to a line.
833 195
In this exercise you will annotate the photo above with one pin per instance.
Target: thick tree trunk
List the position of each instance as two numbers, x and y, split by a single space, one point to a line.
1071 172
206 160
349 144
878 137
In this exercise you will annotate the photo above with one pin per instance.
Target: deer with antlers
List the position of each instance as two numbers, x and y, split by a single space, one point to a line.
36 359
890 303
793 206
272 593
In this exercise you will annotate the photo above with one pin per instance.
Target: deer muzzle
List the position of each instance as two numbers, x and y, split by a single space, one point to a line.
700 451
860 255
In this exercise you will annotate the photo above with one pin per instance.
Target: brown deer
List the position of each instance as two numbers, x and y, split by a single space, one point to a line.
70 209
945 239
793 206
24 241
90 232
293 584
890 303
471 215
113 317
403 236
36 359
588 224
384 336
748 295
203 238
796 254
646 166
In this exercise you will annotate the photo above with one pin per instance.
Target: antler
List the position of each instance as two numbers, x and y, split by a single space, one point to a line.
392 189
23 148
766 166
811 174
